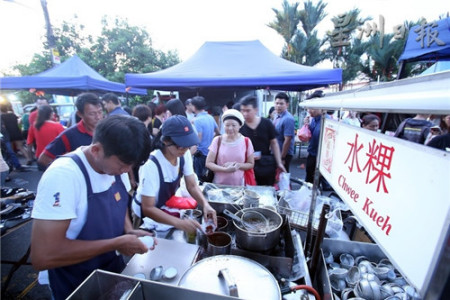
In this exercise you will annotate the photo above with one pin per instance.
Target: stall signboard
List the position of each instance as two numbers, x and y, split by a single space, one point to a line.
398 190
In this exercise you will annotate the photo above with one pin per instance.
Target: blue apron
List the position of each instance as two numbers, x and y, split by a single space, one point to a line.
105 220
166 189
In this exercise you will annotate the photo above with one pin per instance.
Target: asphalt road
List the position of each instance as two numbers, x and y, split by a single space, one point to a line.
15 242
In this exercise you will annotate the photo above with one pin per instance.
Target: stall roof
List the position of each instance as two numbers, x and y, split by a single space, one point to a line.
429 94
68 78
246 64
430 41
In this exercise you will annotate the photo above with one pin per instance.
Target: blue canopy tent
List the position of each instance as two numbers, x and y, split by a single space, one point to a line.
235 65
69 78
430 41
426 42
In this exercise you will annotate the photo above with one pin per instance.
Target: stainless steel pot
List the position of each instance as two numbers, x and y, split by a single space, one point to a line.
231 275
263 241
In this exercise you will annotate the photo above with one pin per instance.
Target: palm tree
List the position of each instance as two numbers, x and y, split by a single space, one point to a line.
286 22
302 47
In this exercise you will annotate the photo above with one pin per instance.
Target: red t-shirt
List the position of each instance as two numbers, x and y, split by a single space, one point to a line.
44 136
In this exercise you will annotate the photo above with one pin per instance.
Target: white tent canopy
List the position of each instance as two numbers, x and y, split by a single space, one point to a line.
428 94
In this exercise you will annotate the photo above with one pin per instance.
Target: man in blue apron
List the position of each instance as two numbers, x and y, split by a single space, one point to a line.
81 209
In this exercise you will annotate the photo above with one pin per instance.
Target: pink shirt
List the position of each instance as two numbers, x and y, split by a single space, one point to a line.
230 152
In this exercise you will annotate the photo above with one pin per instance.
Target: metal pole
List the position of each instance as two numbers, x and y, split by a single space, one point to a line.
309 232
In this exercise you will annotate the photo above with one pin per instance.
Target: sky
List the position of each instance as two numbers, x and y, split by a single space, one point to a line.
184 25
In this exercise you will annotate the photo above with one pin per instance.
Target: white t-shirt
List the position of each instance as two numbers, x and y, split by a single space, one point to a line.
62 192
149 176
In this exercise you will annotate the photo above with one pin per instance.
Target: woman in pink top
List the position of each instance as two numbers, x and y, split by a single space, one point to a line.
44 130
231 157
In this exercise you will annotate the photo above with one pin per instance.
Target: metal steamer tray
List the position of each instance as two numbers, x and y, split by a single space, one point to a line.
229 197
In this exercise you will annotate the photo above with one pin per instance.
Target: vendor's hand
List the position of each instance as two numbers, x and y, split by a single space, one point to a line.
129 244
230 167
210 213
140 232
189 225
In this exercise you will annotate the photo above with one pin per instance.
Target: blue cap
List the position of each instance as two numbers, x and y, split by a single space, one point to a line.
180 130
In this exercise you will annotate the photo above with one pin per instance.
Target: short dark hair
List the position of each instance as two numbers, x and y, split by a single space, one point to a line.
283 96
316 94
123 136
199 102
229 104
367 119
87 98
142 112
111 97
249 100
176 107
160 109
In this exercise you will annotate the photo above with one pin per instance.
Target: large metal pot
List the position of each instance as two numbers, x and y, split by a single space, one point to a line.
263 241
231 275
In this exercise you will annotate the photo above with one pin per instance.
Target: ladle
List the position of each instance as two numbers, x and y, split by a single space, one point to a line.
239 220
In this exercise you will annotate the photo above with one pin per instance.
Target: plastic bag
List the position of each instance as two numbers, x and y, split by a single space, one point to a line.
304 134
181 202
284 182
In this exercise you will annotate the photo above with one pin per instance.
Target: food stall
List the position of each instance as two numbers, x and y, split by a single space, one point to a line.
398 190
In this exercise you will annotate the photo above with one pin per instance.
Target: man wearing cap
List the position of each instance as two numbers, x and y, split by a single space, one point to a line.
206 128
160 176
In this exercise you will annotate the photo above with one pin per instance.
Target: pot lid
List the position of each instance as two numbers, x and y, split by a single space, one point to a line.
230 274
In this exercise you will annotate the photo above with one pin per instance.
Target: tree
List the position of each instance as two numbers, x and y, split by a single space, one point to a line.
121 48
297 28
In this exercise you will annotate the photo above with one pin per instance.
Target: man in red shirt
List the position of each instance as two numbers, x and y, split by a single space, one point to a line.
32 119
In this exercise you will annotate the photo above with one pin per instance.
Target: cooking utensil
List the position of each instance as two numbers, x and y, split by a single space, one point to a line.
256 219
239 220
250 279
156 273
256 240
218 243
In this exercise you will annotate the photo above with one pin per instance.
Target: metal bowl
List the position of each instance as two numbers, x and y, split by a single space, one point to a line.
353 276
347 260
338 273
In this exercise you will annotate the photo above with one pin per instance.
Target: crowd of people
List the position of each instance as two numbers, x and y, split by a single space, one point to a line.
108 178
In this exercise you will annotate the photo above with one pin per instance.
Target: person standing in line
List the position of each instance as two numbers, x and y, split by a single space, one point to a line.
189 110
82 222
414 129
90 110
352 119
44 131
263 136
206 128
32 119
370 122
442 141
160 117
234 155
227 106
285 127
11 123
112 105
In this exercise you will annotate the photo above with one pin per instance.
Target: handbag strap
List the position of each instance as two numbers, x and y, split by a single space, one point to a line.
218 147
246 147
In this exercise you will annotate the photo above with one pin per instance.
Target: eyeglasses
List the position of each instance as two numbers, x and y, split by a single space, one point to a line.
178 147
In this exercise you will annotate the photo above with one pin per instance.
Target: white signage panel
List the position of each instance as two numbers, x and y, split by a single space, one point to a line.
400 192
